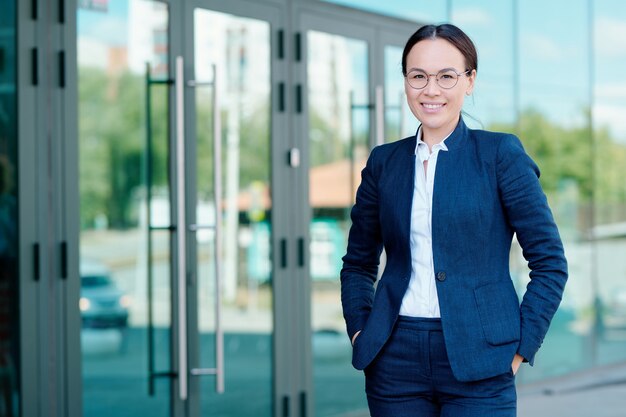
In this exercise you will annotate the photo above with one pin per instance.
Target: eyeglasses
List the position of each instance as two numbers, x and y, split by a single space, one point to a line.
446 78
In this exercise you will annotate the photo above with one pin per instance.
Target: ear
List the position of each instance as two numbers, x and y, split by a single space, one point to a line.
471 80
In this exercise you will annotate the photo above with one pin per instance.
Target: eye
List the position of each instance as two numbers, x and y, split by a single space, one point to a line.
447 76
417 75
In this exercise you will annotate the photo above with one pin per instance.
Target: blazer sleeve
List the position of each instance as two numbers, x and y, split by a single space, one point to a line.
360 264
528 213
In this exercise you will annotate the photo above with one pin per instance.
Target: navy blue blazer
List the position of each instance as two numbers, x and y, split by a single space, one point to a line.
486 188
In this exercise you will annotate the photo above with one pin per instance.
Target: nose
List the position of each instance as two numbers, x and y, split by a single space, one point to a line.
432 88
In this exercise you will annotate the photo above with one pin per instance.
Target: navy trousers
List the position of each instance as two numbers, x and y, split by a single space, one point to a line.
411 377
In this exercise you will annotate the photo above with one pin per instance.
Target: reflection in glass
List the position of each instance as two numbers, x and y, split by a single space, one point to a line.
399 121
424 11
238 50
9 277
609 185
338 143
123 113
493 101
553 127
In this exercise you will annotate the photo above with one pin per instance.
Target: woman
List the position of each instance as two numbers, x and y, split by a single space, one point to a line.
444 332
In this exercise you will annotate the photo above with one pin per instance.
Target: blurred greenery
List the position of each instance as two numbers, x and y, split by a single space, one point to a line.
113 137
112 124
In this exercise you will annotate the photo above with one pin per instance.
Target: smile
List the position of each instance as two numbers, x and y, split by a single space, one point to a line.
432 106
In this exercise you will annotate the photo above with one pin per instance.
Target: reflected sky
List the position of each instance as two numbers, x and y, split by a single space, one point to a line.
554 66
420 10
554 57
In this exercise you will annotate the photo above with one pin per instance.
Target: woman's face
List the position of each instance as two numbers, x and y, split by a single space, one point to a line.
437 108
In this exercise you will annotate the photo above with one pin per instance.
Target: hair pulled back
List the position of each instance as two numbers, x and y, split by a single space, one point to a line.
448 32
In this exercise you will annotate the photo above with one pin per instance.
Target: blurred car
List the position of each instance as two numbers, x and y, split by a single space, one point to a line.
102 304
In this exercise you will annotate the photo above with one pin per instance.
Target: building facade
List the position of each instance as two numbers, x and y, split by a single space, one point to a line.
176 179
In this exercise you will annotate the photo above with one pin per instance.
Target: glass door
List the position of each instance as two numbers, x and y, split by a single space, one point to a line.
231 294
339 109
354 101
126 236
176 210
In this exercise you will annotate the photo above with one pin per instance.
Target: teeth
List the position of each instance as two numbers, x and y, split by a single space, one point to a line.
432 106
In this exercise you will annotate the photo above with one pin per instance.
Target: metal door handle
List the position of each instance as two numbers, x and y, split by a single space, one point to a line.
181 235
218 371
148 171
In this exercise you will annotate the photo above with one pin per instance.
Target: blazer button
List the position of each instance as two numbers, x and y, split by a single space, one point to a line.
441 276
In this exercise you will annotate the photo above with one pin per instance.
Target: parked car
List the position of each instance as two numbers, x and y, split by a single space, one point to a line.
102 304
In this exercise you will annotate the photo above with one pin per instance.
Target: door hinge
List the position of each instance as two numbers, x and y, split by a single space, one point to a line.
302 404
62 69
280 44
285 406
33 9
36 263
61 11
299 98
298 47
301 252
34 70
63 260
283 253
281 97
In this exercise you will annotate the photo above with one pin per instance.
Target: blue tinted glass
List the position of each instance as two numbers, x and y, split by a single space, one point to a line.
492 101
428 11
608 109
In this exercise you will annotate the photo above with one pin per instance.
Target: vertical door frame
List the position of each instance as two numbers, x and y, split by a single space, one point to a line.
69 211
30 244
377 31
281 183
50 368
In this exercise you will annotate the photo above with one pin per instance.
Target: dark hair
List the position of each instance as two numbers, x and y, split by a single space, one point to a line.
448 32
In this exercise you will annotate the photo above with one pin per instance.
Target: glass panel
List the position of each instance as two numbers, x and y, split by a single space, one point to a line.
240 50
554 128
9 277
399 121
338 143
610 179
492 103
423 11
123 115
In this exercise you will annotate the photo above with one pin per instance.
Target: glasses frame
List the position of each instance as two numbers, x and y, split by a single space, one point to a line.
445 70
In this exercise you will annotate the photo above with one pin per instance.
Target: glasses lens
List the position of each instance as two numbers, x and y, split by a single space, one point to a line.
417 79
447 79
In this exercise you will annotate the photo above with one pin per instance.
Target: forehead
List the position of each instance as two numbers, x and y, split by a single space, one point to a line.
434 54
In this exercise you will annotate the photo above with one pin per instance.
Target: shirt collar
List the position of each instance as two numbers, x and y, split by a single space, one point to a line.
421 149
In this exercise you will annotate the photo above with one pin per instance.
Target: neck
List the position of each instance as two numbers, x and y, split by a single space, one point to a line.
431 137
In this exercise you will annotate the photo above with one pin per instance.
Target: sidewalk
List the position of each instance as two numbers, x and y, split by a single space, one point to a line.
599 392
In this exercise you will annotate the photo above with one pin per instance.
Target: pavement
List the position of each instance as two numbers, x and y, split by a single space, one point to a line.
598 392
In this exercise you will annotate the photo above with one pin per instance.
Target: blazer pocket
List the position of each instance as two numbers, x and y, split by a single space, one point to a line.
498 308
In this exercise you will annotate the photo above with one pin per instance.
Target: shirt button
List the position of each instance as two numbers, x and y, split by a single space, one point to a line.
441 276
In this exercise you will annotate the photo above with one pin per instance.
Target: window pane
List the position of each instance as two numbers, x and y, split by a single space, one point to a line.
124 206
492 102
424 11
338 143
554 128
237 51
609 185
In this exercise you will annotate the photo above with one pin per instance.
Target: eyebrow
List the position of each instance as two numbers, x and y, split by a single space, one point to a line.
423 70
